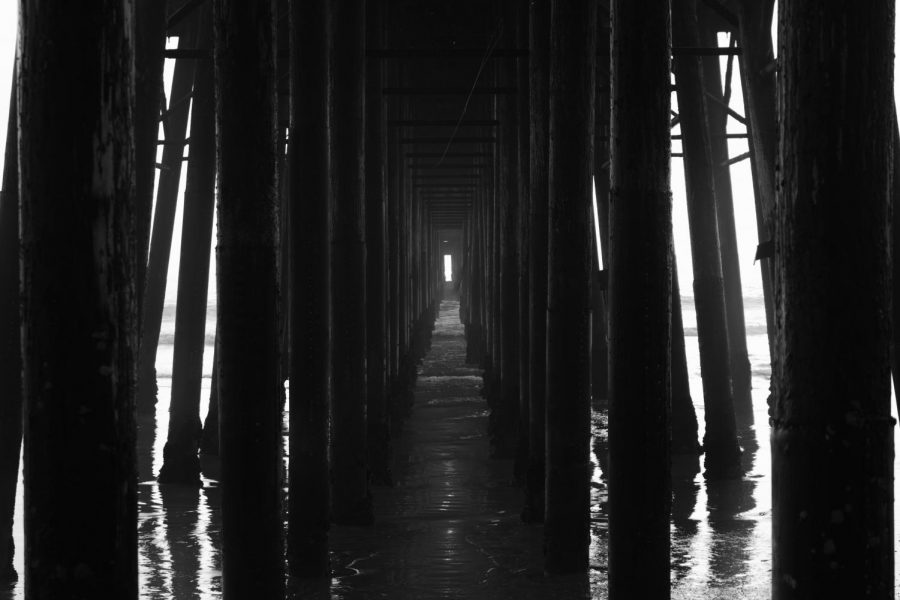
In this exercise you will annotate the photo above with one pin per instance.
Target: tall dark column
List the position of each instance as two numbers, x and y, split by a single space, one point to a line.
523 122
309 494
599 295
507 408
79 311
717 117
351 501
181 463
832 436
640 289
209 440
684 417
149 45
895 262
10 342
247 278
573 37
539 117
376 267
174 122
757 61
722 453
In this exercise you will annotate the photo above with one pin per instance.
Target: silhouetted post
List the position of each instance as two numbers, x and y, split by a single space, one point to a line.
309 494
79 311
247 278
395 161
10 342
640 290
573 37
209 439
600 279
507 409
722 453
523 122
376 267
757 62
832 436
175 126
149 45
684 417
895 262
475 333
717 117
539 118
351 501
181 463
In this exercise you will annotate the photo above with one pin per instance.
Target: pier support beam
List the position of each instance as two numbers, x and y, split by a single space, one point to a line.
10 342
640 294
150 44
717 118
539 117
309 497
154 289
250 389
832 436
351 501
181 462
505 415
684 417
757 61
573 40
376 267
722 453
79 311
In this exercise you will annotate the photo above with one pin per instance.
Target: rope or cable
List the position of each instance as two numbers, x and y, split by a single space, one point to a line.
484 60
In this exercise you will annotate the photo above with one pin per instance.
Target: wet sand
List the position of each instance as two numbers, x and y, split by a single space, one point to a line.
450 527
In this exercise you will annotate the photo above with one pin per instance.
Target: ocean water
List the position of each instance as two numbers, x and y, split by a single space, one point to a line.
721 533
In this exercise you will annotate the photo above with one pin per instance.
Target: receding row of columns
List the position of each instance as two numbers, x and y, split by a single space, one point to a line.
346 245
360 233
649 399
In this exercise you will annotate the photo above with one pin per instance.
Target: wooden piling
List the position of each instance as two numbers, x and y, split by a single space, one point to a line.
181 462
640 290
717 117
757 66
149 46
600 255
79 312
10 342
309 494
154 293
209 439
351 501
895 262
539 117
722 453
523 122
684 417
573 40
247 279
376 266
832 436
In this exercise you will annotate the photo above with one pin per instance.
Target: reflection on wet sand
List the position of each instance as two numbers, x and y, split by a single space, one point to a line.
450 525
